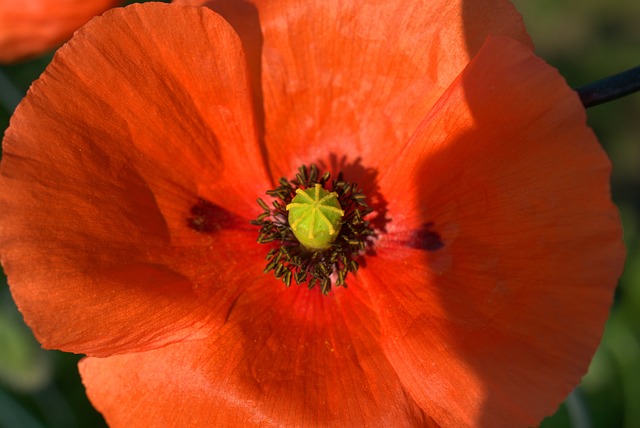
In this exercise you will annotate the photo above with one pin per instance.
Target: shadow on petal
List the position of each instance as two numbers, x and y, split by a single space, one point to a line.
538 250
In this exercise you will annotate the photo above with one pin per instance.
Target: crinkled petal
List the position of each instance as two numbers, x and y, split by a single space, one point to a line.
504 249
354 79
286 358
129 174
32 27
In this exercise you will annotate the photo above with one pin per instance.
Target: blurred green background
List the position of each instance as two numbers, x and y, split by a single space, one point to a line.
586 40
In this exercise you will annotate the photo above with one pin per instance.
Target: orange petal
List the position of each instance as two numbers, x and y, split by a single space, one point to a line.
32 27
356 78
286 358
498 274
129 173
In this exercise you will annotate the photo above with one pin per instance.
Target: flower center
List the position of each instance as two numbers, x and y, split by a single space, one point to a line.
316 228
314 217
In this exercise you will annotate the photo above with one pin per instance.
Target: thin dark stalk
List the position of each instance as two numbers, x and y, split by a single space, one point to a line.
610 88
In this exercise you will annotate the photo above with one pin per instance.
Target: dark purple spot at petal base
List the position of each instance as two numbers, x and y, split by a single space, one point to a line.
425 238
207 217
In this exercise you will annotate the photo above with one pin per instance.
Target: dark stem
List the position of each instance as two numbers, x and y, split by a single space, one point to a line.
610 88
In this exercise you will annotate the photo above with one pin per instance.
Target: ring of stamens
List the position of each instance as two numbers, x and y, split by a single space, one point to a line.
328 265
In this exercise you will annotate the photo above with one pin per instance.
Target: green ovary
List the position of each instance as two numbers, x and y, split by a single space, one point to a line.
315 217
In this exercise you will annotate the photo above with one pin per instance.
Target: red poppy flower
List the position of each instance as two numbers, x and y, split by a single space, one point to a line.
32 27
131 172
